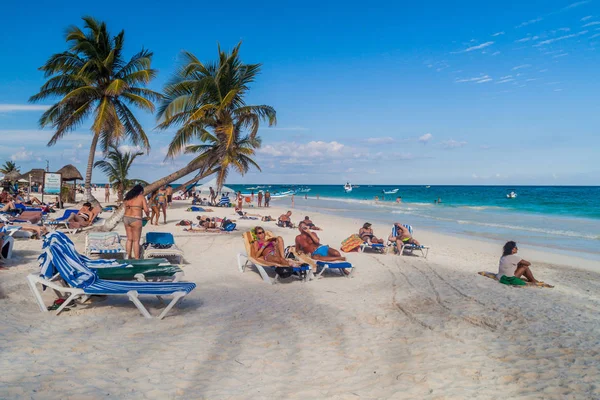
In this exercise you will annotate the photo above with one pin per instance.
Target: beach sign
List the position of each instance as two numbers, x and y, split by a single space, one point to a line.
52 183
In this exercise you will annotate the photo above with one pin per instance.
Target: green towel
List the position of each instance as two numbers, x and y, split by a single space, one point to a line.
512 280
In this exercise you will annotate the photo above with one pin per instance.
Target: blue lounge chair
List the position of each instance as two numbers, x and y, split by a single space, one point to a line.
402 246
224 201
380 247
162 244
343 267
61 263
62 221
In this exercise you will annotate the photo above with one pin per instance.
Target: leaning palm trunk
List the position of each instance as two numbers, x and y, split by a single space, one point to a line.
87 192
114 219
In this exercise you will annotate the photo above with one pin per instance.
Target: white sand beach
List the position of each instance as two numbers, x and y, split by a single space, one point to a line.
402 327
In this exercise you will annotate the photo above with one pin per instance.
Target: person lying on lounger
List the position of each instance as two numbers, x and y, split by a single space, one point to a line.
308 242
37 230
403 235
366 234
84 218
310 224
270 249
206 222
285 221
513 265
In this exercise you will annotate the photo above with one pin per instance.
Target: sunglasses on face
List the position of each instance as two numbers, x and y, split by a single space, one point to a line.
259 233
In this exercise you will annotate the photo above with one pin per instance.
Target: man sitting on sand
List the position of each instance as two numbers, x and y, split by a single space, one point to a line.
512 265
84 218
285 221
308 242
310 224
403 235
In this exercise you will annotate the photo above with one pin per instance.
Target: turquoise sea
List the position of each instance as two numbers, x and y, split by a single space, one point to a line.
563 218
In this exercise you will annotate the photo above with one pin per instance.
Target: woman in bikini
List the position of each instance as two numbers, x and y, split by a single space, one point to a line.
135 203
366 234
161 199
84 217
270 249
155 209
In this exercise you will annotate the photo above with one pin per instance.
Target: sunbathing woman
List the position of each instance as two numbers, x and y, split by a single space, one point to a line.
85 217
161 199
135 203
270 249
366 234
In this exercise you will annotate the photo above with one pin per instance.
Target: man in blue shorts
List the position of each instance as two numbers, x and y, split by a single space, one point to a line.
308 242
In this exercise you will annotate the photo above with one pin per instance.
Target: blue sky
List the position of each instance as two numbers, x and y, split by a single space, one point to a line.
436 93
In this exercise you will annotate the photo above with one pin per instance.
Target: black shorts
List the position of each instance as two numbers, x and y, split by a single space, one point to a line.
169 198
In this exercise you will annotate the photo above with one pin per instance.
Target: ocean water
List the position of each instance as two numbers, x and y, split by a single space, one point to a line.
563 219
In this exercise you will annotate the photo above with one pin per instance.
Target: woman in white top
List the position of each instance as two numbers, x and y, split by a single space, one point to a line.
513 265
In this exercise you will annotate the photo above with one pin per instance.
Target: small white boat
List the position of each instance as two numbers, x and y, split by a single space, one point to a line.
427 187
511 195
393 191
347 187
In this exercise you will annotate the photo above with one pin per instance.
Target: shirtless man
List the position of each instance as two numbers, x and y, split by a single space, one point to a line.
310 224
169 196
308 242
285 221
403 235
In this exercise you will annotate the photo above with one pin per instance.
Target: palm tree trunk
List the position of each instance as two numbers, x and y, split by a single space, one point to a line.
87 192
114 219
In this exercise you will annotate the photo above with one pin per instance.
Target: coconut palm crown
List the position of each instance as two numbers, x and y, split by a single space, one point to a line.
206 102
94 81
116 166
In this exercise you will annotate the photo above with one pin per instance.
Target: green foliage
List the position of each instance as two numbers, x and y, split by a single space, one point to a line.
206 102
92 79
9 166
116 166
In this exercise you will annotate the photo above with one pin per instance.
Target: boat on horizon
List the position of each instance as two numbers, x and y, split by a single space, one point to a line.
512 194
347 187
393 191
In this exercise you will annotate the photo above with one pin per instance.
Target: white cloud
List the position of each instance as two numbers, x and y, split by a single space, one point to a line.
525 39
484 80
549 41
495 53
311 149
592 24
22 155
576 4
380 140
452 144
426 138
505 80
586 18
477 47
521 66
498 34
560 55
22 107
125 148
475 79
485 147
531 21
595 36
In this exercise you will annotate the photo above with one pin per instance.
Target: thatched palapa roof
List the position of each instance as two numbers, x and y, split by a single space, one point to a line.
37 175
12 176
70 173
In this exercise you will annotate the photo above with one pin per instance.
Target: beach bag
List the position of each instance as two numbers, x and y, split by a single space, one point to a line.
284 272
352 243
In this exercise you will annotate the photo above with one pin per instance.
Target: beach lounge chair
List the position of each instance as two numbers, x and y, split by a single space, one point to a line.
402 247
31 217
59 263
155 269
304 272
61 222
379 247
224 202
7 242
103 243
343 267
162 244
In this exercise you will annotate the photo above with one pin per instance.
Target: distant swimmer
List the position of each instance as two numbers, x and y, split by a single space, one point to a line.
398 199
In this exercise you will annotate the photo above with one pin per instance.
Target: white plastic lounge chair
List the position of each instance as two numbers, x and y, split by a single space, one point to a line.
7 242
162 244
103 243
402 247
58 262
304 272
343 267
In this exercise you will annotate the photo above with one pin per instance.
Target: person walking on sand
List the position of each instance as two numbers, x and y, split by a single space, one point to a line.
135 204
153 203
512 265
240 199
169 193
161 198
293 200
213 196
106 193
267 198
260 197
252 196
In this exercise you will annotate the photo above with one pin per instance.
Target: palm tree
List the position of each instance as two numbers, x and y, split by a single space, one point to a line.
93 80
9 166
207 102
116 166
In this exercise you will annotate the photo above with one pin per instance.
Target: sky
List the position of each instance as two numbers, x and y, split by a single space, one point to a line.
466 92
